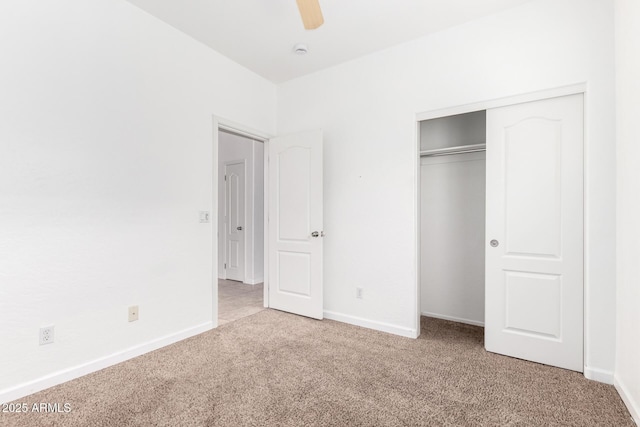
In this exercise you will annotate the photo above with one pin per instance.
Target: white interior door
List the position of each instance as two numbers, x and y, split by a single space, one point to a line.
234 221
295 224
534 256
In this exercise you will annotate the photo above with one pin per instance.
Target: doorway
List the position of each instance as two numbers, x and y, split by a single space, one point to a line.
240 225
452 217
282 256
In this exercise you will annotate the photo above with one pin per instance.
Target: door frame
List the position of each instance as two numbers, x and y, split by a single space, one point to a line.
220 123
224 254
579 88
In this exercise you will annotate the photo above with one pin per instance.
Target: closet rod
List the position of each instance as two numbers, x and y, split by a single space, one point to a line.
454 150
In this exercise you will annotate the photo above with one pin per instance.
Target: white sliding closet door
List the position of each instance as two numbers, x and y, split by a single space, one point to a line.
534 256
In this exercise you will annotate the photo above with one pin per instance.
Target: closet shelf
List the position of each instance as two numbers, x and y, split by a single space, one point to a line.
454 150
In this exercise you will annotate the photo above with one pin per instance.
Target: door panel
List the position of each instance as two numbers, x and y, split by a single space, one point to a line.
294 273
533 183
293 222
528 295
235 217
295 213
534 275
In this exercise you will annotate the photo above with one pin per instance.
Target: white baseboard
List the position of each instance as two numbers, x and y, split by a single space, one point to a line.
59 377
254 281
371 324
452 318
599 375
632 405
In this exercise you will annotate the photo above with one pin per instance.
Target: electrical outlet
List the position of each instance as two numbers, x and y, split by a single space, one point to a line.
359 293
46 335
133 313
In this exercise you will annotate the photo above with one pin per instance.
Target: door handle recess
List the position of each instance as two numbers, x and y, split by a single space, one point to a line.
239 228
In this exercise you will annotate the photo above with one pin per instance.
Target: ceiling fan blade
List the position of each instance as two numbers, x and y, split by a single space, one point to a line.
310 13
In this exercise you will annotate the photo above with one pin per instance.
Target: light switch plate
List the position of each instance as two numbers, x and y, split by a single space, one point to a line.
205 216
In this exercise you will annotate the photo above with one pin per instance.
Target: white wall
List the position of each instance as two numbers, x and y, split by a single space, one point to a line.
628 285
106 128
452 236
453 131
233 147
367 109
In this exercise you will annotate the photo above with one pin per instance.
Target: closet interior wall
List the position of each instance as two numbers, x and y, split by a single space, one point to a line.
452 222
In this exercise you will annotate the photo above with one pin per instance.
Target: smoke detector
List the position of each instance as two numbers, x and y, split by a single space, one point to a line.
300 49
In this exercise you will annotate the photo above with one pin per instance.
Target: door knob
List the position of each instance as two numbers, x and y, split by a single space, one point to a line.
239 228
317 234
494 243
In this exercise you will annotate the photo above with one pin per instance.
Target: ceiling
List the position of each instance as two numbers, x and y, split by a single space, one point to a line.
260 34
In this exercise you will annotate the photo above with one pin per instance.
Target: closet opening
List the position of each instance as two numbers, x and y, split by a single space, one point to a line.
452 217
502 230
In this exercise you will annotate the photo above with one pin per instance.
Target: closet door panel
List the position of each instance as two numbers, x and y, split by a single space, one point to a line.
534 259
532 177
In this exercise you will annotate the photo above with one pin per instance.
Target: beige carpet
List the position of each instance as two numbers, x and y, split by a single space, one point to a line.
277 369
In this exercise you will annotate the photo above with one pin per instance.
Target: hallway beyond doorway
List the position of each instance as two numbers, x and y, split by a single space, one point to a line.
237 300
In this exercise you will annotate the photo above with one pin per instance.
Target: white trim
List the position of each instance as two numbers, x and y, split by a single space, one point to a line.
239 129
59 377
586 242
502 102
215 230
254 281
600 375
632 406
265 217
417 164
453 318
371 324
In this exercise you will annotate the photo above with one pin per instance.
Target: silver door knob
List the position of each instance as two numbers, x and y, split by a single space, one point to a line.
239 228
315 234
494 243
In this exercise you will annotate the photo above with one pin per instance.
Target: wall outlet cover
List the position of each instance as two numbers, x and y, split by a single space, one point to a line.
46 335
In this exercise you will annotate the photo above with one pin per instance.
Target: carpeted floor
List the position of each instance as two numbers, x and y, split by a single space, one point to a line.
277 369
